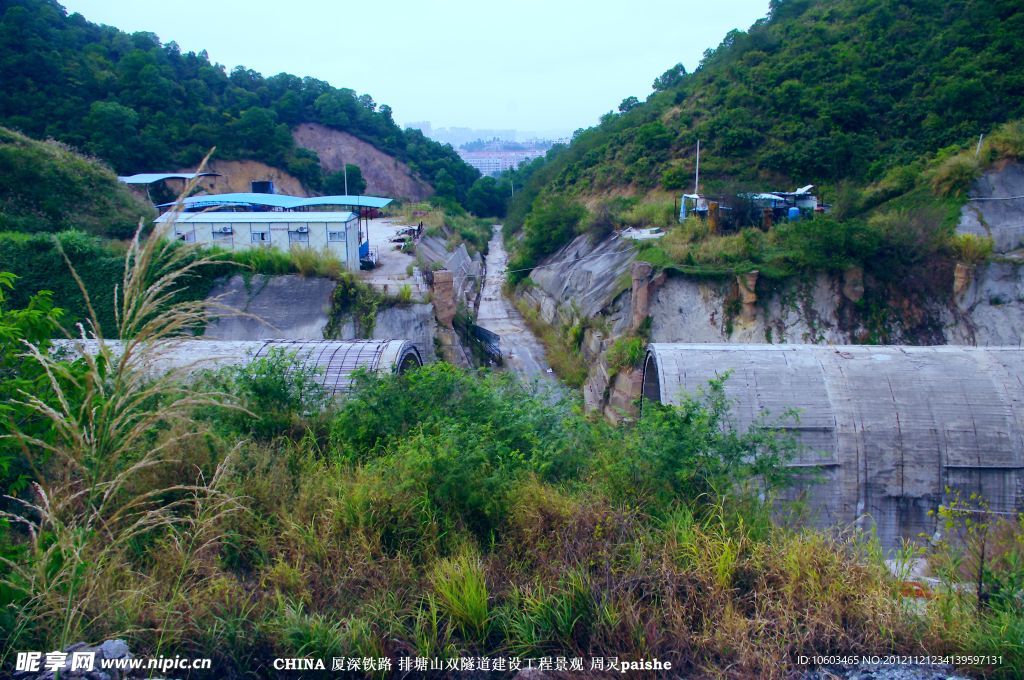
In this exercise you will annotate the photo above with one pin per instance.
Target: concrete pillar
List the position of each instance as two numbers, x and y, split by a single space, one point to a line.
640 296
443 297
625 390
853 283
963 276
713 217
747 285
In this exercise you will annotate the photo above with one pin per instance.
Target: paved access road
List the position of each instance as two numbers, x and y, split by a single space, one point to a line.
523 352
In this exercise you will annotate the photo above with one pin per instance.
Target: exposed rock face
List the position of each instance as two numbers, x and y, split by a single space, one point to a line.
625 390
237 176
963 276
853 284
985 305
990 310
582 278
992 210
688 310
384 174
288 307
293 307
747 286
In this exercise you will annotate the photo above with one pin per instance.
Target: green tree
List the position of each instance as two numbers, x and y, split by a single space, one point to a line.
486 198
110 125
334 183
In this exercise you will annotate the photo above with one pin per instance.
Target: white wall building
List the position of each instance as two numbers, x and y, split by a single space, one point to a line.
337 232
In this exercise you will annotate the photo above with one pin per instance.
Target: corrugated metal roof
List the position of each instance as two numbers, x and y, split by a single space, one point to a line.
150 177
243 217
270 200
281 201
357 201
334 361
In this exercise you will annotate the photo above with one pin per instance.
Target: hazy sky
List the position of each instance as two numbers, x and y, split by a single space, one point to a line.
538 65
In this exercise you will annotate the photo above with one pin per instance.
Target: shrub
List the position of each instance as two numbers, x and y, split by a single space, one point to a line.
276 391
693 453
954 176
651 213
1007 141
626 353
971 248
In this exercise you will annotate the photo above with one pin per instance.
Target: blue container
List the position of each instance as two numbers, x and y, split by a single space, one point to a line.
794 214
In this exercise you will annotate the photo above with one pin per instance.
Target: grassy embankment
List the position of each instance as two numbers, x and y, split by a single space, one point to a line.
440 513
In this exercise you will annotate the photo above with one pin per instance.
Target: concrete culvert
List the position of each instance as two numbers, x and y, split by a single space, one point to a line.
885 430
335 361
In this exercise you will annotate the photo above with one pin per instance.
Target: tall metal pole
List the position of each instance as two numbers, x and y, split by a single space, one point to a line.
696 178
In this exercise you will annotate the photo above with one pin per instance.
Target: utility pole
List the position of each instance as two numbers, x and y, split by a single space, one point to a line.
696 178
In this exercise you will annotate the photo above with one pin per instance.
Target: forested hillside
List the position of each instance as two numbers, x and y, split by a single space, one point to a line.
142 105
817 92
46 187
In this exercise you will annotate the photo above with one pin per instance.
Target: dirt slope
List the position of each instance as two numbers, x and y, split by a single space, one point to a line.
238 175
385 175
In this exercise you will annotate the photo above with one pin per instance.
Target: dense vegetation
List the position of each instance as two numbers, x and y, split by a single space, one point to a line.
241 515
46 187
143 106
833 92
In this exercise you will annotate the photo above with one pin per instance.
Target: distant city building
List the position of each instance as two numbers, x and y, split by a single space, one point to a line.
422 125
497 162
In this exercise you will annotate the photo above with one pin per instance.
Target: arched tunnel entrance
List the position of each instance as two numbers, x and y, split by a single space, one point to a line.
884 431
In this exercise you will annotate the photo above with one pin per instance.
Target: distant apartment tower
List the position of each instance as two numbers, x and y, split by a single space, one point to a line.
497 162
422 125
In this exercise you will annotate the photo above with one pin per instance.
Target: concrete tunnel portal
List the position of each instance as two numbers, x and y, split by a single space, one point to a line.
333 362
884 430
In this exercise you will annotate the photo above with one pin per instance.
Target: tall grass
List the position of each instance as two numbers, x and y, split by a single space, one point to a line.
90 504
461 591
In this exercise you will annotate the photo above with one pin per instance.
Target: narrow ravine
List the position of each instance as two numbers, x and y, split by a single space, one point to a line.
523 353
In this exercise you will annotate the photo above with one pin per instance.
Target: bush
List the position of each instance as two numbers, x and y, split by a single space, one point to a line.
552 223
1007 141
651 213
954 176
626 353
694 454
276 391
971 248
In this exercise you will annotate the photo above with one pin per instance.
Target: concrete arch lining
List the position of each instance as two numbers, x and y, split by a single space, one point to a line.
886 428
334 361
